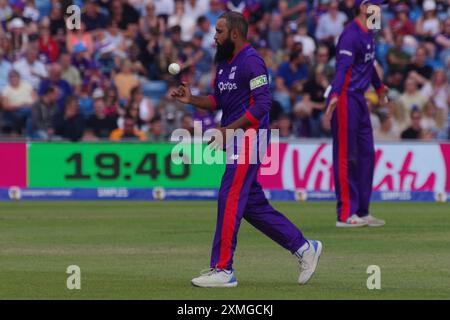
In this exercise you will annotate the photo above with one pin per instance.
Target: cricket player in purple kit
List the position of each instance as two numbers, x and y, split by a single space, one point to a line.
353 145
241 90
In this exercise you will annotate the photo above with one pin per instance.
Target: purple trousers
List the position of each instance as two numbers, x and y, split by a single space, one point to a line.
241 196
353 155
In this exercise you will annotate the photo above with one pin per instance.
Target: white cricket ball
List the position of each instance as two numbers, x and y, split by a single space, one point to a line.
174 69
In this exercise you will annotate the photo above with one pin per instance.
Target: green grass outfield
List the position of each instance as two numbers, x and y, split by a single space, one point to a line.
144 250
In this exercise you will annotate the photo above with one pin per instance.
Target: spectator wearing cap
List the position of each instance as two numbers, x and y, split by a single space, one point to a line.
331 24
30 68
19 36
92 17
43 114
428 25
17 98
80 59
101 122
55 80
69 73
70 123
401 24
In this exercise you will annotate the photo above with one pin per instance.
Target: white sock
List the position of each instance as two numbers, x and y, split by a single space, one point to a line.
303 248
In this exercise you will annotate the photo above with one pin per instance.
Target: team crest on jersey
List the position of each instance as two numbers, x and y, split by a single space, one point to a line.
232 73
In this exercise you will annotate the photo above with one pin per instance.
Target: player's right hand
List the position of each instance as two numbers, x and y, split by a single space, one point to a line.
330 108
182 93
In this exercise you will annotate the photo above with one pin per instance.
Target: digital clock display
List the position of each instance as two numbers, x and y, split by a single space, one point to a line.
115 165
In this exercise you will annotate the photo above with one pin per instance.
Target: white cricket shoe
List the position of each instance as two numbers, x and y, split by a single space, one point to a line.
309 260
215 278
374 222
353 222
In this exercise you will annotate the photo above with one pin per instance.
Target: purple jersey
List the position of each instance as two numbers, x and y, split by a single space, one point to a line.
355 58
241 87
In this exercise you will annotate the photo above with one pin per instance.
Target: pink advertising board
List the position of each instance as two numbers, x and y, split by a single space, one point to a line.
398 167
13 164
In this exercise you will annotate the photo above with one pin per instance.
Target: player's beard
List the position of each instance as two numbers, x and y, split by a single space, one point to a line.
224 51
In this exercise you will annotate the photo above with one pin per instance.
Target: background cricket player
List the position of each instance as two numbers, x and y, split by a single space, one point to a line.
353 145
241 90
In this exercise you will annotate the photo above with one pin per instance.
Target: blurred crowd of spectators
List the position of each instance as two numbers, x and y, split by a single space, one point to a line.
109 80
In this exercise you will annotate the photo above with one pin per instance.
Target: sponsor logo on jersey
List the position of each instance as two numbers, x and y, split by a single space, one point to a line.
226 86
369 56
258 82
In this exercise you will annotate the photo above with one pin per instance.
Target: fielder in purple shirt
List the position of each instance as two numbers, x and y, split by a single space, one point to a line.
241 90
353 145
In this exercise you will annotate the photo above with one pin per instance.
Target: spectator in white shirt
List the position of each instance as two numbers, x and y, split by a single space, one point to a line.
308 44
30 68
17 99
180 18
164 7
196 8
331 24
